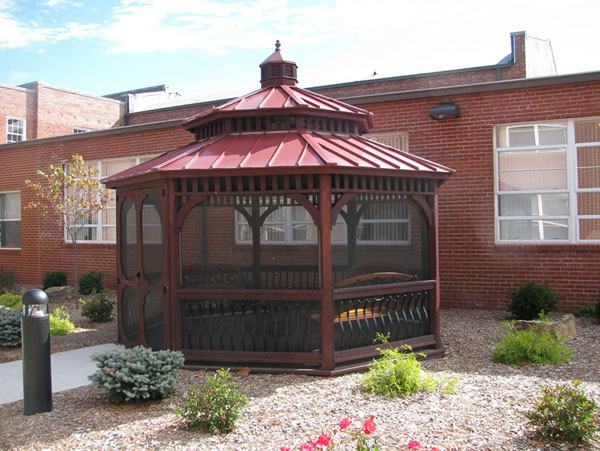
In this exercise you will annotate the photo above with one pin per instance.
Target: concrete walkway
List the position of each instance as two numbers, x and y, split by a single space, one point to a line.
70 369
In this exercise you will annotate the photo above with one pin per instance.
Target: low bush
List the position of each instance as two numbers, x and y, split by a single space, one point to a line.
215 406
530 299
90 282
397 372
11 301
8 281
587 311
54 279
519 347
98 308
60 322
10 327
564 414
136 374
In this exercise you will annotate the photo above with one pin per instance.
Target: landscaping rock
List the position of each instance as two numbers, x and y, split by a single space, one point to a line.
59 294
562 328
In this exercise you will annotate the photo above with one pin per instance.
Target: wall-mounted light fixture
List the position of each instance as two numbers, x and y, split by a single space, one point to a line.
445 110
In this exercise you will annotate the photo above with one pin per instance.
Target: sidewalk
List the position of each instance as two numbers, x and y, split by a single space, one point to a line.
70 369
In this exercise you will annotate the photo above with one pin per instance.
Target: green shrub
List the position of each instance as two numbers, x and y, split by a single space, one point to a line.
564 414
90 282
98 308
60 322
11 301
8 281
397 372
10 327
215 406
530 346
54 279
136 374
587 311
598 310
530 299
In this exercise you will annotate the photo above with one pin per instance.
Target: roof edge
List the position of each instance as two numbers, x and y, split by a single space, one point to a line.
95 134
504 85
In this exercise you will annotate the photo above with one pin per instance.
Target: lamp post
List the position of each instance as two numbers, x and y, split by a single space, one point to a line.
35 331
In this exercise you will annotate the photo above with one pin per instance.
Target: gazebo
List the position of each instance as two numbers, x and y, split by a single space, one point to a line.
280 239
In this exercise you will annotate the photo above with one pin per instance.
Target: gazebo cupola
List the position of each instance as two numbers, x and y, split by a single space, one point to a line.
276 70
280 239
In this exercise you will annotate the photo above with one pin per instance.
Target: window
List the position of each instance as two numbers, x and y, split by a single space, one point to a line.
395 139
10 220
15 129
82 130
101 227
548 182
379 224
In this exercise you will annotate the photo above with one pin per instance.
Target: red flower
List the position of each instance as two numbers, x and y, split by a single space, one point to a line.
369 426
324 440
413 444
307 447
435 449
285 449
345 423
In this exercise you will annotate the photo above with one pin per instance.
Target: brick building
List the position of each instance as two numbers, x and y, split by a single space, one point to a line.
523 205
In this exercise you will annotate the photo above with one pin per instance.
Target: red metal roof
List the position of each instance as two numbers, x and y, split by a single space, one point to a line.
291 149
282 97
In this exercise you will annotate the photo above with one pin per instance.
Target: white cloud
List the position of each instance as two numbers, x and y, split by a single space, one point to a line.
17 76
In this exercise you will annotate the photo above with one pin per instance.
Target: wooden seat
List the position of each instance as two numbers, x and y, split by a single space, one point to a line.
375 278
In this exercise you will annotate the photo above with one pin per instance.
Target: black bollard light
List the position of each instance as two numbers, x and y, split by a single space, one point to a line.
35 337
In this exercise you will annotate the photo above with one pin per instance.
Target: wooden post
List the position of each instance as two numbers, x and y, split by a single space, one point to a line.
172 321
327 339
434 270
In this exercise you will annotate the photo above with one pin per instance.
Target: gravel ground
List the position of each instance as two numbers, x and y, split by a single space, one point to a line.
484 413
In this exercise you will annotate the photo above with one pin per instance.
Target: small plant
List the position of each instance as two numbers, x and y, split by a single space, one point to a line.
136 374
11 301
91 281
97 309
398 373
10 327
587 311
8 281
564 414
216 405
530 299
530 346
598 310
54 279
60 322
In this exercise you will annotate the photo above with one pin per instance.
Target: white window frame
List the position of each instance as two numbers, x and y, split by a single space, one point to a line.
99 226
10 129
2 220
289 223
572 189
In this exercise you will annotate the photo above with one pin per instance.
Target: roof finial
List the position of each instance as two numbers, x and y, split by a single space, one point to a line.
277 45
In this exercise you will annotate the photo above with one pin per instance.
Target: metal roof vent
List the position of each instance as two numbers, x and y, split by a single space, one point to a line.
276 70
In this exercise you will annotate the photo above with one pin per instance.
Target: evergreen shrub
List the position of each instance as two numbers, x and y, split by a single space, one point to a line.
530 299
54 279
90 282
98 308
136 374
10 327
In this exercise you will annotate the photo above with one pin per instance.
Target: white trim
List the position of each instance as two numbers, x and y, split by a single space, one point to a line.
572 189
24 135
13 219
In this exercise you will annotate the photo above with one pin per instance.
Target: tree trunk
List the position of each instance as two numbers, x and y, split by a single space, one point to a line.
75 275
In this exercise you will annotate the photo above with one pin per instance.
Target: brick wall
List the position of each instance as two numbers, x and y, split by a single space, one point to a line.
42 244
475 272
17 102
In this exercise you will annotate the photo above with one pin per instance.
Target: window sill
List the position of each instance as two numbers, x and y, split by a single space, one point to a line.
550 247
10 250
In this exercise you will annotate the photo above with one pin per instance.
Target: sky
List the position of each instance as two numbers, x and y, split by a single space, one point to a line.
211 49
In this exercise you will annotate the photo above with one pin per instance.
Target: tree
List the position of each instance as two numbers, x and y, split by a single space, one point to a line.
74 196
